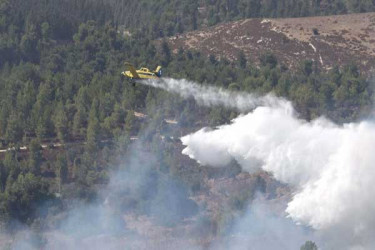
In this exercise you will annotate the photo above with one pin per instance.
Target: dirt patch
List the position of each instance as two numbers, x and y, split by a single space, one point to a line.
328 41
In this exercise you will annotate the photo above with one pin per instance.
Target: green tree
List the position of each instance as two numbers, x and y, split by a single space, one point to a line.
93 128
14 131
268 59
35 157
61 123
79 121
242 61
307 67
309 245
29 43
22 197
11 166
61 170
46 31
44 126
166 52
129 122
3 177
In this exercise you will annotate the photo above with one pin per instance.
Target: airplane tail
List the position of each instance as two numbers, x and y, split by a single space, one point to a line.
158 71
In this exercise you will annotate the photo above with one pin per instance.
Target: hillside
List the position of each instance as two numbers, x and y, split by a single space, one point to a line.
90 159
329 41
166 18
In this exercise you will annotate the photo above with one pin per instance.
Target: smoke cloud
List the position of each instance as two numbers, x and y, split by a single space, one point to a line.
134 211
213 96
261 227
330 167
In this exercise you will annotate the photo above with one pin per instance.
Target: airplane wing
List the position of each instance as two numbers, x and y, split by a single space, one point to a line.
132 70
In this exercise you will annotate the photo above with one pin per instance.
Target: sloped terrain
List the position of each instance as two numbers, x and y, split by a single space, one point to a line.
329 41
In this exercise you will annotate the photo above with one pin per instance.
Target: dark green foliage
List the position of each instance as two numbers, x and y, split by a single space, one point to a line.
93 128
315 31
307 68
61 170
242 61
60 82
13 132
269 60
35 157
309 245
23 196
61 123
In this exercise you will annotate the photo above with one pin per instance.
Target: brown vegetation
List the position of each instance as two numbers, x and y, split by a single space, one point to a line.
329 41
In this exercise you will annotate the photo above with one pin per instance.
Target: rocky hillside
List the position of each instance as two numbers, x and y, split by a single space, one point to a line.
329 41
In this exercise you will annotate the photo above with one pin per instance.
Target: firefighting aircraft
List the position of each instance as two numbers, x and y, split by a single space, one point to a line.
142 73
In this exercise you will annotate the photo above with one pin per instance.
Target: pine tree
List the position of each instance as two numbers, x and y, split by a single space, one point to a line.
35 157
129 122
13 131
79 120
61 170
61 123
309 245
93 128
242 61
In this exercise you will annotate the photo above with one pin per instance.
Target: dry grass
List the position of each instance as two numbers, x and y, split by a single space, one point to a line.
331 40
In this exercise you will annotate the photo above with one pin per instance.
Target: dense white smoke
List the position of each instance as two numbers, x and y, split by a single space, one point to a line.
213 96
331 167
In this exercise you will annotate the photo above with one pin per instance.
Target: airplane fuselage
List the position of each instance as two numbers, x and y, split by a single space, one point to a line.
142 73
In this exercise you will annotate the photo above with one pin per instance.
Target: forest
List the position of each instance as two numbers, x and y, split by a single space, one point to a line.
60 82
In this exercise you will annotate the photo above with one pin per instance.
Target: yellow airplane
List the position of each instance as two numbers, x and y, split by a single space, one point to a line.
142 73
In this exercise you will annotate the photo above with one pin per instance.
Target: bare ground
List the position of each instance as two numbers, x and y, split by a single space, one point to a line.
337 40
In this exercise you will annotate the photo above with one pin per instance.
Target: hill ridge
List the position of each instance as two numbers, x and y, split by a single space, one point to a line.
327 40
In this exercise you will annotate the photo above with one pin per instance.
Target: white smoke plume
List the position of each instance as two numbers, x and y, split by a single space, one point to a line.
113 220
331 167
213 96
263 228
